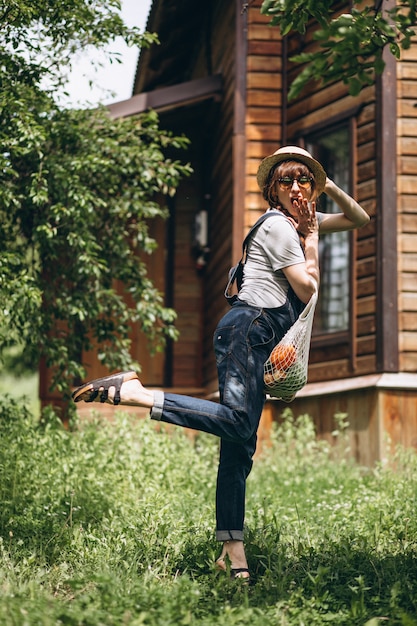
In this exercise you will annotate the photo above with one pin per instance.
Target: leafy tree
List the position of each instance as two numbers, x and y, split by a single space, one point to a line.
350 45
77 188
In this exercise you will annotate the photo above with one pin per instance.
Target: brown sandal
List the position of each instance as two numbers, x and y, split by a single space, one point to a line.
102 385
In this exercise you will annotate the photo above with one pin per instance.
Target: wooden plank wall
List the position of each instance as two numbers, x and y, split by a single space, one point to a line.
219 162
263 104
407 206
365 247
263 135
152 365
380 419
187 297
317 107
361 410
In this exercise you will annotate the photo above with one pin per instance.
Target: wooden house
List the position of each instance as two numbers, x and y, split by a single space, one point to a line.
220 76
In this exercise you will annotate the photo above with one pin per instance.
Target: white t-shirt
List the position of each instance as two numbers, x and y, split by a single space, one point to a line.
274 246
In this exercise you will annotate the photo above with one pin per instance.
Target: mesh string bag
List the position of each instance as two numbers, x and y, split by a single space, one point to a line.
285 371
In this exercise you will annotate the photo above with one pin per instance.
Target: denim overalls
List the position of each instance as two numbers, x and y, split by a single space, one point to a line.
242 342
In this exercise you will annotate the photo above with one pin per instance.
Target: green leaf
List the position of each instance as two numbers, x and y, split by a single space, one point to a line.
379 64
355 86
346 41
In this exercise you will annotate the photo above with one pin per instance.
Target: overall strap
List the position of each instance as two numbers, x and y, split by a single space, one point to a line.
256 225
236 272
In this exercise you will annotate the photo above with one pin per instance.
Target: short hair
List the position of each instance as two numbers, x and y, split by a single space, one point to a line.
282 169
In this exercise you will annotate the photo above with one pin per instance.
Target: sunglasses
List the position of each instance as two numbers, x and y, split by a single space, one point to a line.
287 182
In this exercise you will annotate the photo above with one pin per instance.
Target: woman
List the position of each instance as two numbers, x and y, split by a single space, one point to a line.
280 275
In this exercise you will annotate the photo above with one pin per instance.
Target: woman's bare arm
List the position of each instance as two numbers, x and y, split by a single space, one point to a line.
352 216
304 277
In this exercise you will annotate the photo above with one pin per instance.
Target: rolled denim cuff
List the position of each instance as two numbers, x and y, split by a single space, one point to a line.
229 535
158 405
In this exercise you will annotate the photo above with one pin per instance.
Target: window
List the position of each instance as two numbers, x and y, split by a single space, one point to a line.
332 149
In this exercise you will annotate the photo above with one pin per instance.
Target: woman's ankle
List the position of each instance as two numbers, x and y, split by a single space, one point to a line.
133 393
233 552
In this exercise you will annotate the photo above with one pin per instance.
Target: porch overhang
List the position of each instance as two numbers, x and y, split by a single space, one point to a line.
169 98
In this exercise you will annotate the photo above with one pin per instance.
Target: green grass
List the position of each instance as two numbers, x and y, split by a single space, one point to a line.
112 524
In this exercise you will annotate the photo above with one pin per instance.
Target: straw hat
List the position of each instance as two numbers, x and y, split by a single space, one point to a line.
292 153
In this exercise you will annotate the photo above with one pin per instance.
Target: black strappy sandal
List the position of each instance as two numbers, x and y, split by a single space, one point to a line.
235 574
94 386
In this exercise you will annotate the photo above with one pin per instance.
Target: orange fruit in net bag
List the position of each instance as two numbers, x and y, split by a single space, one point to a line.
282 357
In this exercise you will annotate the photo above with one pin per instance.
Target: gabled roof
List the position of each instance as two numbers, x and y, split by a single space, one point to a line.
179 25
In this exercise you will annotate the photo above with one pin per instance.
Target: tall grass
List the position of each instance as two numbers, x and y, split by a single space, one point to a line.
112 524
24 388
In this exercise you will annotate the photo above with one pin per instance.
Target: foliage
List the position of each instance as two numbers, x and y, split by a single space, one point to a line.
113 524
77 192
43 37
350 45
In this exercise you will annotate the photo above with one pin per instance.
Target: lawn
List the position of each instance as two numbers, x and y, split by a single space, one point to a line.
112 524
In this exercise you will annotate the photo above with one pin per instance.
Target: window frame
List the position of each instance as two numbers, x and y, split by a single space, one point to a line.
344 340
